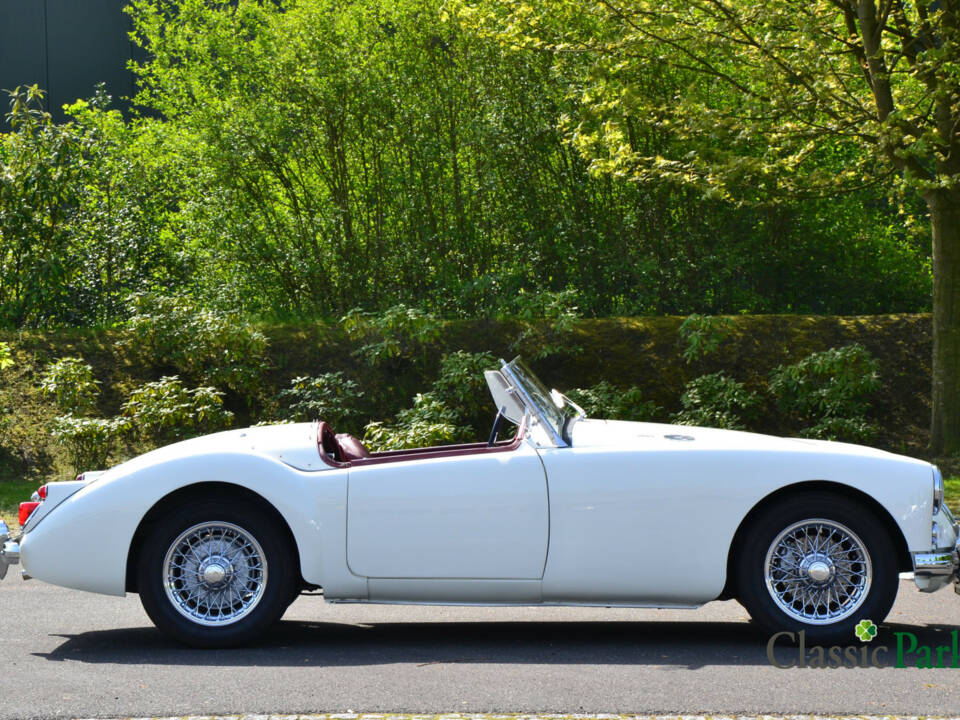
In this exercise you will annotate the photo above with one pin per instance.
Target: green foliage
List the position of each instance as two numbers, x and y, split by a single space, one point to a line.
462 387
71 383
829 392
703 335
87 441
557 311
80 215
429 422
456 409
330 396
165 410
399 331
716 400
605 400
6 356
209 346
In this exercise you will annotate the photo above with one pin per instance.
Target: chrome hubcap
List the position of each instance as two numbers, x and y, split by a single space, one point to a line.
818 571
215 573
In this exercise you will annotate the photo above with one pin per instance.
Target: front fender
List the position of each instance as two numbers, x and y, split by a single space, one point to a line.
84 542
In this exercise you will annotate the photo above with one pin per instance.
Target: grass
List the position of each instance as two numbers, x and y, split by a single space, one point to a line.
11 495
952 494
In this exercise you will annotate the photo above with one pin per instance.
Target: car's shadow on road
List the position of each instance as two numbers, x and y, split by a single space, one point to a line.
304 644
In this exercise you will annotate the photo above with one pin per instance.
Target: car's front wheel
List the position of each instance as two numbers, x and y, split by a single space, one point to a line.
819 563
216 574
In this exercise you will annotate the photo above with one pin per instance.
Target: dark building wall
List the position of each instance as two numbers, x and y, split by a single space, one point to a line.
66 47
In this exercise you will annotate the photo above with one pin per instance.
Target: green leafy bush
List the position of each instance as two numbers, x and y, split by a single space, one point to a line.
703 335
165 410
88 441
829 392
208 346
718 401
557 312
604 400
428 422
6 356
70 382
331 397
399 331
462 387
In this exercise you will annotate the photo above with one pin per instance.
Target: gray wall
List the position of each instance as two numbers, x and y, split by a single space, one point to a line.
66 47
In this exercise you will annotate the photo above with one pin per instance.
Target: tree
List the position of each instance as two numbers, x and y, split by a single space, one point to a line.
775 99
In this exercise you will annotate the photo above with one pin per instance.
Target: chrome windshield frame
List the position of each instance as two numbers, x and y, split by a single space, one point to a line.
532 407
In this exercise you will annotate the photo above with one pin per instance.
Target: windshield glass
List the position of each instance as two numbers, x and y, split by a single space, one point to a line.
557 417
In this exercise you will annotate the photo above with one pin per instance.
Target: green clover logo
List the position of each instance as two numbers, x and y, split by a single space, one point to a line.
866 630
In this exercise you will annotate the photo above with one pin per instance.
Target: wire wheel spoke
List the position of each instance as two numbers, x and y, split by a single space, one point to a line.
215 573
818 571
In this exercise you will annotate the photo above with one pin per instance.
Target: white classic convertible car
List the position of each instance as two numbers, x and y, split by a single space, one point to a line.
219 534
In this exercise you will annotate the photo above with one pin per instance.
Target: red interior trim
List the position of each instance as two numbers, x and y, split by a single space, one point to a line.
436 451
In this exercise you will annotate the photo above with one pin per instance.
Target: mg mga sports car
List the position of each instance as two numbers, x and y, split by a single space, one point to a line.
219 534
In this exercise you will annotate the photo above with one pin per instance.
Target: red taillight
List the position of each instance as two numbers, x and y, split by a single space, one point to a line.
26 510
42 492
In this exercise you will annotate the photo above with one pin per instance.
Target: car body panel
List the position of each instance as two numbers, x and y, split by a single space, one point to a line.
480 516
663 514
633 514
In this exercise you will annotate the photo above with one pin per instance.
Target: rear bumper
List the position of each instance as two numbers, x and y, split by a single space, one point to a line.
9 550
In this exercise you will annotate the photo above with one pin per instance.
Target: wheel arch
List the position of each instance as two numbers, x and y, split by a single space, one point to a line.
904 562
194 493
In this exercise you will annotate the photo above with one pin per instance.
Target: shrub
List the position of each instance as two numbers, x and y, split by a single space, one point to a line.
703 335
166 410
88 441
6 356
400 331
331 397
462 388
716 400
829 392
71 383
604 400
428 422
208 346
559 312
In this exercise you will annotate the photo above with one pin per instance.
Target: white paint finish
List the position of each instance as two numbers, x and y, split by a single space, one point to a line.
634 518
84 543
476 516
57 492
655 522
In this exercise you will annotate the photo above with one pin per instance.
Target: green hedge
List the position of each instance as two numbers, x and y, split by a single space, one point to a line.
645 352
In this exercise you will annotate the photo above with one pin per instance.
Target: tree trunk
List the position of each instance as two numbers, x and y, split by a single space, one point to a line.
944 208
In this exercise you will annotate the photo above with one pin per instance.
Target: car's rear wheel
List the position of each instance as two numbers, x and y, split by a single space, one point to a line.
216 574
819 563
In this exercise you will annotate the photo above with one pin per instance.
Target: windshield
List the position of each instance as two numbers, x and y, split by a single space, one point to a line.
559 417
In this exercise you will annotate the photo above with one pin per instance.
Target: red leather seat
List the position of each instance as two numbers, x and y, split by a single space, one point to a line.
351 448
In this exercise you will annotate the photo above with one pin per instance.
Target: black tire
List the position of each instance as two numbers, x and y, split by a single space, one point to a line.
838 552
230 572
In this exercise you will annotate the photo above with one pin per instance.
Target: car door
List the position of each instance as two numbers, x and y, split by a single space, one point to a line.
478 516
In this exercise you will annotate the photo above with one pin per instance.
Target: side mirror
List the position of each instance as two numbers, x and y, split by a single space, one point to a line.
505 397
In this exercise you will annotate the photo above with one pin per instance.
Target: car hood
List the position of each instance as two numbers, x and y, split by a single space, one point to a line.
658 436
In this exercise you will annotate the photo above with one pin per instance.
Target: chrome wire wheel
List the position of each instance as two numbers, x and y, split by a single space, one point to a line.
818 571
215 573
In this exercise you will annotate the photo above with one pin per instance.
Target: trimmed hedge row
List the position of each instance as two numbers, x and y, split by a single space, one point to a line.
645 352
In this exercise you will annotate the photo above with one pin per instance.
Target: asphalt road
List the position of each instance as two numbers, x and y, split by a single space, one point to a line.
72 654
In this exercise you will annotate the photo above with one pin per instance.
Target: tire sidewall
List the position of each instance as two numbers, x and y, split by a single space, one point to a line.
277 590
751 581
